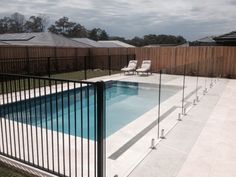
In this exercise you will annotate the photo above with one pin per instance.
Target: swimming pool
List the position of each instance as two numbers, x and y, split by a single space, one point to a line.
125 102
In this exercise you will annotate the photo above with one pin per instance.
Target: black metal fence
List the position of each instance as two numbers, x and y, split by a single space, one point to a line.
48 66
52 124
59 125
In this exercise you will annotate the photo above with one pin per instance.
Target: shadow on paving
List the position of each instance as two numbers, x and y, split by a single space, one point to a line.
9 171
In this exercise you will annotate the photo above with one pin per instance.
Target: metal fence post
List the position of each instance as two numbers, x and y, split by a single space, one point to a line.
91 61
127 57
49 67
197 80
101 130
109 61
183 112
109 64
85 67
28 61
205 71
159 107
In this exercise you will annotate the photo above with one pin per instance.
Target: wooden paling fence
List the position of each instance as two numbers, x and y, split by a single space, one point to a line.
208 61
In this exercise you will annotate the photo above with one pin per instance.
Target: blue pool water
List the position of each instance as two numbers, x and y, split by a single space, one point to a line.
125 102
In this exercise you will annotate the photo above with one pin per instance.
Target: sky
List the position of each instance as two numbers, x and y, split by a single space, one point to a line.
193 19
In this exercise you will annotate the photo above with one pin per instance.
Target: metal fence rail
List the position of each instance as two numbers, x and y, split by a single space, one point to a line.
52 124
48 66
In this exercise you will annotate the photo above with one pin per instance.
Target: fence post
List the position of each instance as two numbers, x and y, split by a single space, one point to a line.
159 107
197 80
49 67
101 130
109 64
109 61
91 63
127 57
183 112
28 60
212 68
85 67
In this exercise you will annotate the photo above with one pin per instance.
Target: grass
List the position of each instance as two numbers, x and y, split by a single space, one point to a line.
79 75
26 84
7 171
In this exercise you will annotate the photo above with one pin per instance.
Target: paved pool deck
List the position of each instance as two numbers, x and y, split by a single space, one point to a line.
196 146
128 163
203 144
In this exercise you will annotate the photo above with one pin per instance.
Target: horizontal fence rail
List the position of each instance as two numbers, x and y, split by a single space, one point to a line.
52 124
49 66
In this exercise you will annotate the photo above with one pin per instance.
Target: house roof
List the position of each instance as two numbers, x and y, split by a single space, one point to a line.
208 39
108 44
228 39
114 43
228 36
40 39
161 45
87 41
3 43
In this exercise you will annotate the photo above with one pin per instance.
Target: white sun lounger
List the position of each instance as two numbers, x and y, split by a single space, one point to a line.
131 67
145 68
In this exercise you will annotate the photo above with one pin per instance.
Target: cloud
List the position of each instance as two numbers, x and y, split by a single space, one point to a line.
232 2
192 19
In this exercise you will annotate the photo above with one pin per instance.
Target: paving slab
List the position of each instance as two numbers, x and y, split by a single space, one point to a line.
171 154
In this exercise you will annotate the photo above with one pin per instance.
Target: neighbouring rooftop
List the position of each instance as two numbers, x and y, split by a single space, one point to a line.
39 39
207 39
55 40
226 39
114 43
87 41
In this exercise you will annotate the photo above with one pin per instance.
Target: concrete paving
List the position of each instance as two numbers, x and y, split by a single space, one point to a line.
213 154
203 144
171 153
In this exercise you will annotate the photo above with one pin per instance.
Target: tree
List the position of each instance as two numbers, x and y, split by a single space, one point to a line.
137 41
181 40
53 29
67 28
63 25
118 38
17 22
103 35
93 34
12 24
98 34
4 25
34 24
156 39
150 39
78 31
45 20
